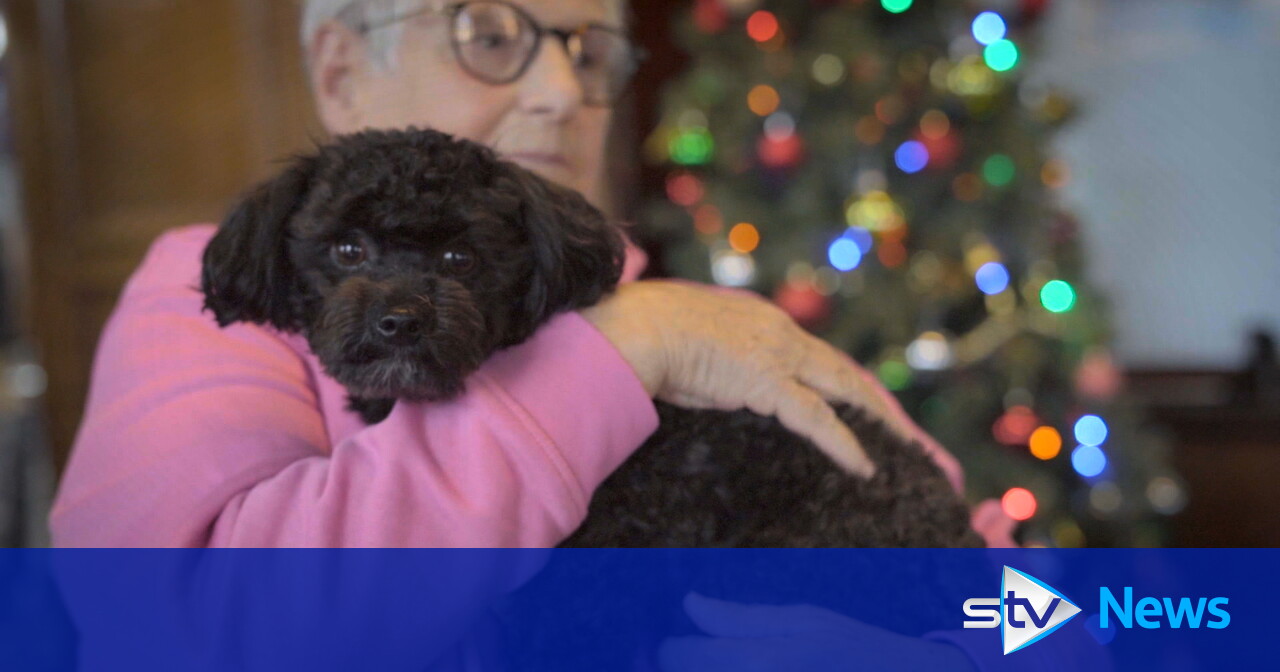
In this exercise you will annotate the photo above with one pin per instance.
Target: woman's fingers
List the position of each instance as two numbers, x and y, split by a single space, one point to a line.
835 376
804 412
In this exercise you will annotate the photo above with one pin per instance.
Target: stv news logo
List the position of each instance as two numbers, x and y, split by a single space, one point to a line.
1028 609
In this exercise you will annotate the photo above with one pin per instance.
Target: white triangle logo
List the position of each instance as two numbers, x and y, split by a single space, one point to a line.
1030 609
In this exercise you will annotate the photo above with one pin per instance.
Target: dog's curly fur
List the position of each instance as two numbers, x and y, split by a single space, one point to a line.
384 229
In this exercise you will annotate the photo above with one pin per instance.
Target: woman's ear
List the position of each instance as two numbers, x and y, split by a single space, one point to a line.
337 58
247 276
578 255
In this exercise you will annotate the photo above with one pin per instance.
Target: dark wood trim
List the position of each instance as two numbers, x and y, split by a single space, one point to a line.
39 67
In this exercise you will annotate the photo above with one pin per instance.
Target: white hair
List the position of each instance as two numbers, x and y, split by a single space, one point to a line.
382 43
354 13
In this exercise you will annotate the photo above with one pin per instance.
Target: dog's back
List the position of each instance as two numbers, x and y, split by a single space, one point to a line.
735 479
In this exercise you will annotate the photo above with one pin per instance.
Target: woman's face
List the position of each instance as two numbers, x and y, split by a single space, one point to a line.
539 121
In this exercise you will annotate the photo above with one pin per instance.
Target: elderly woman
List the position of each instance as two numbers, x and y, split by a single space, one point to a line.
200 436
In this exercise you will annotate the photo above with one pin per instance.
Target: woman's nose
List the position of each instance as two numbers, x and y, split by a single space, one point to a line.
550 85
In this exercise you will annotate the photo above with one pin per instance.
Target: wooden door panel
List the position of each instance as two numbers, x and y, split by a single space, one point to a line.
133 117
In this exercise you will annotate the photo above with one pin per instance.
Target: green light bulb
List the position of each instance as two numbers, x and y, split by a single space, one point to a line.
1057 296
998 170
1001 55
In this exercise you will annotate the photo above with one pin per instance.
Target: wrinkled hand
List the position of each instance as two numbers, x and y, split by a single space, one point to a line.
698 348
761 638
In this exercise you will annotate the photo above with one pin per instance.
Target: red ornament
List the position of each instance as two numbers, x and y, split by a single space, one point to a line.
780 152
808 307
710 16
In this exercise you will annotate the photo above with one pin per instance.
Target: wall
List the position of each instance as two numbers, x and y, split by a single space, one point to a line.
1176 168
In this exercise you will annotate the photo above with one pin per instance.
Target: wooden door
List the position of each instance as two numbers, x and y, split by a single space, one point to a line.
132 117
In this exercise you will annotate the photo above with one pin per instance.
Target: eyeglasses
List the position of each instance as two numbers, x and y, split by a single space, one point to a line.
496 42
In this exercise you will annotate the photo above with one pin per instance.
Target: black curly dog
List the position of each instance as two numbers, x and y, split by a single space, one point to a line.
406 258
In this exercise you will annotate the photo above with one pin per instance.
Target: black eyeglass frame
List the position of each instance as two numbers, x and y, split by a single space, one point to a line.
636 53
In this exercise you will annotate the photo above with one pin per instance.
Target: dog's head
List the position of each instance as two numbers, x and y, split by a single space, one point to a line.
406 258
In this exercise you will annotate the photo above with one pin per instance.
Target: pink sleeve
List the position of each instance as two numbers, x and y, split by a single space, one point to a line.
196 435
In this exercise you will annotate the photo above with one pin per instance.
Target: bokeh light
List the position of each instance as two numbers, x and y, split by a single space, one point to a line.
934 124
732 269
692 147
763 100
762 26
1015 426
896 6
1046 443
989 27
1165 495
911 156
744 238
1091 430
998 170
779 126
992 278
684 189
844 254
1057 296
929 352
828 70
1018 503
895 374
1001 55
1088 461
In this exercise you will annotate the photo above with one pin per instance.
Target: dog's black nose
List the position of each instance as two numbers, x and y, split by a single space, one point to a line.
401 325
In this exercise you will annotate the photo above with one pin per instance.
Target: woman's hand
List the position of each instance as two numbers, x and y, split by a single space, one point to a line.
699 348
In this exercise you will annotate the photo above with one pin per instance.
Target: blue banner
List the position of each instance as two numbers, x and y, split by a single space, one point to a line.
631 610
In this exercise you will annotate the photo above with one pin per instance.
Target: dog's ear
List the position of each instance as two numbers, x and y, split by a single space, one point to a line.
247 274
578 254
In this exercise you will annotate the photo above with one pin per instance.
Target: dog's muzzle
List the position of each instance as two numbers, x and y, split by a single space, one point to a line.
404 324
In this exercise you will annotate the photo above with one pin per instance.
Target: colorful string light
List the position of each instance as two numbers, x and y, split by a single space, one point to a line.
992 278
1001 55
1057 296
989 27
692 147
1019 504
896 6
744 238
998 170
763 100
1091 430
844 254
762 26
1088 461
911 157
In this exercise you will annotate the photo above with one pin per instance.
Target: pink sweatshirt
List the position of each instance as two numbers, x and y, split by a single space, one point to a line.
200 436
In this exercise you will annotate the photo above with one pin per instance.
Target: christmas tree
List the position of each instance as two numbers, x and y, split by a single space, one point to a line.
882 171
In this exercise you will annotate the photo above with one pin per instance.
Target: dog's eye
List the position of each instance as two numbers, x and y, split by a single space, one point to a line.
349 254
458 261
